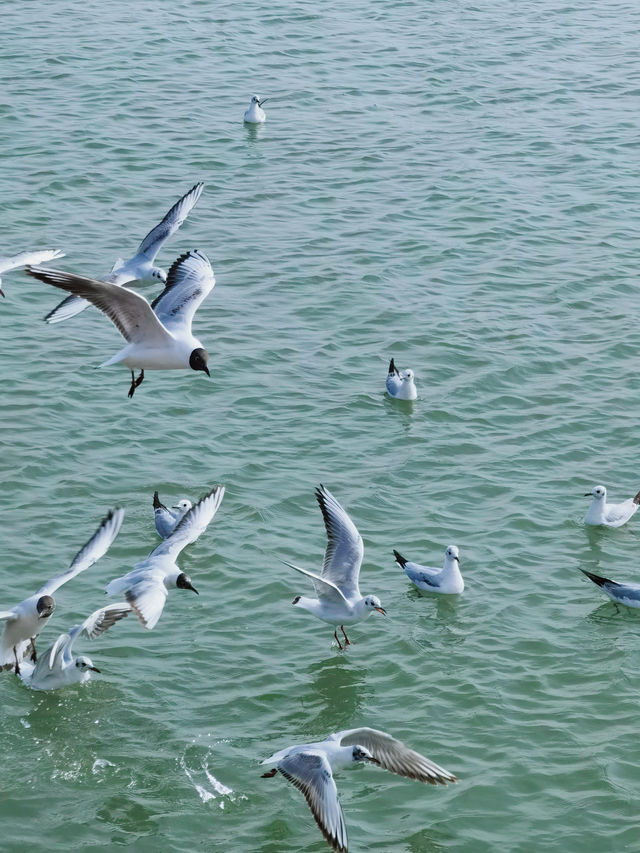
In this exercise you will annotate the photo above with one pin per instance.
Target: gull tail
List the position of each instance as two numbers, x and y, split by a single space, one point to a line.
597 579
399 558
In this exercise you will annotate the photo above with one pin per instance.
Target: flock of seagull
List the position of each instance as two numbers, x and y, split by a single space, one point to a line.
158 336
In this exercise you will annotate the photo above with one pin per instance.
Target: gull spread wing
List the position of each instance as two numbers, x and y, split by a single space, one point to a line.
100 621
345 550
192 524
38 256
147 598
95 548
189 280
311 773
130 312
393 755
325 589
152 243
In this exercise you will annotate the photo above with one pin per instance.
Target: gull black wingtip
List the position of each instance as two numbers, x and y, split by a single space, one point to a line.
399 558
157 503
598 579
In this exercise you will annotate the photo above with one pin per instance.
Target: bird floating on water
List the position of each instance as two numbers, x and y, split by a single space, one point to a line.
38 256
400 385
447 579
339 601
255 114
621 593
609 515
166 518
310 767
142 264
159 335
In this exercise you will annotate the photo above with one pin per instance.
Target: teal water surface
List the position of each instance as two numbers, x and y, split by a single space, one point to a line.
456 185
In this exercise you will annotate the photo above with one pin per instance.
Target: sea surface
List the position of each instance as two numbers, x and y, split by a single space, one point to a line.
453 184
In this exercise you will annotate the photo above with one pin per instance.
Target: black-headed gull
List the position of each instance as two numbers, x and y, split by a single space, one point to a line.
447 579
400 386
147 585
621 593
255 114
141 265
339 601
609 515
58 667
38 256
310 767
166 518
159 335
24 622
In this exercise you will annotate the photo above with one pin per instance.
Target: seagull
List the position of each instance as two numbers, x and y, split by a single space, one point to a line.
610 515
141 265
159 335
39 256
24 622
167 518
146 587
400 385
310 766
339 601
621 593
447 579
57 667
255 114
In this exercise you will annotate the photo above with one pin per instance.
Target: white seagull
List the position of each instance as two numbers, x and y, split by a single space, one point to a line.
339 601
255 114
610 515
447 579
57 667
38 256
166 518
24 622
401 386
159 335
146 587
141 265
621 593
310 767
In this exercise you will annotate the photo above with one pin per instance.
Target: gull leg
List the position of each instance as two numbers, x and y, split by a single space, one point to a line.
347 640
34 657
135 382
335 634
271 773
15 654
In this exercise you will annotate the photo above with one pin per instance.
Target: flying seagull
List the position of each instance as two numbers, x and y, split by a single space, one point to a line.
38 256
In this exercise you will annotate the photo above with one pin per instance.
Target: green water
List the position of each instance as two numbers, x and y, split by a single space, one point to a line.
453 184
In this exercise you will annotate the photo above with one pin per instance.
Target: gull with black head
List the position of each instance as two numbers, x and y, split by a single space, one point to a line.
159 335
58 667
142 264
339 601
24 622
146 587
310 767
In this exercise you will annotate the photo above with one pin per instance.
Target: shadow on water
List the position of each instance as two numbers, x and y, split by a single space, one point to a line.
336 691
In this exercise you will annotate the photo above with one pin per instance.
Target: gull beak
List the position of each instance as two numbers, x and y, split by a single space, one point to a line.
457 559
94 668
1 292
206 370
381 610
192 588
374 761
588 494
263 101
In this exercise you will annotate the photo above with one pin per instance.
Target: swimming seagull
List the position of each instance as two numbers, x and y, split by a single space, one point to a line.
621 593
57 667
146 587
447 579
166 518
141 265
255 114
159 335
24 622
39 256
610 515
401 385
310 766
339 601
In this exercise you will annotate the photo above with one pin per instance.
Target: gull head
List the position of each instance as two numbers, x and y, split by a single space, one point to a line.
198 360
45 606
359 753
156 272
84 663
373 602
184 582
452 553
408 375
183 504
256 100
598 492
